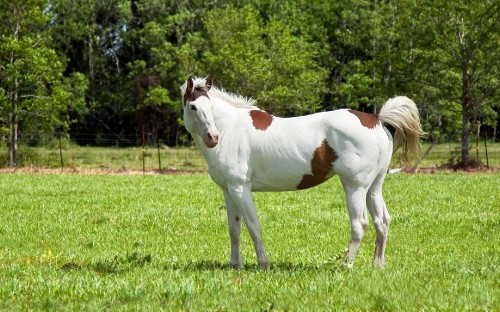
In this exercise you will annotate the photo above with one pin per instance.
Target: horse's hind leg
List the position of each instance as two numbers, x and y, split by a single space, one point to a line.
356 206
234 228
381 219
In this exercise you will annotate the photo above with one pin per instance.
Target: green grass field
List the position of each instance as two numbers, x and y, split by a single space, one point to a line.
159 242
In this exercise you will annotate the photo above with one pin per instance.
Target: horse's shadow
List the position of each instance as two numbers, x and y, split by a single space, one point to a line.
283 266
135 260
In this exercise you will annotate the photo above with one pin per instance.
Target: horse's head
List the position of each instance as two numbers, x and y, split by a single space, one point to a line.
198 116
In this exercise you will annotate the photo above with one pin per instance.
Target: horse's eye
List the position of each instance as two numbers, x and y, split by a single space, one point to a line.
193 108
198 88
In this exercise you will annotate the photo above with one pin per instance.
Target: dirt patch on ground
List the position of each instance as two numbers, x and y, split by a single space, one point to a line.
171 171
470 166
480 169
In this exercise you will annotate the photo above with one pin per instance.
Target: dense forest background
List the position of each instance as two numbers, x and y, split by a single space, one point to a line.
101 71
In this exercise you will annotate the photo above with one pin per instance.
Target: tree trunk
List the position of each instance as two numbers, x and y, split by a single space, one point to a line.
13 127
14 98
12 136
465 133
13 123
466 111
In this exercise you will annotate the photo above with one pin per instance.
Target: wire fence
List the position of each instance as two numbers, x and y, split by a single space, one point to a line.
110 156
64 155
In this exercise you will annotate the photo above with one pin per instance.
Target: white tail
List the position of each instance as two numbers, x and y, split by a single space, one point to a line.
402 113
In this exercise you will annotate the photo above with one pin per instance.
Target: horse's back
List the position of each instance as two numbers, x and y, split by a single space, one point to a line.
301 152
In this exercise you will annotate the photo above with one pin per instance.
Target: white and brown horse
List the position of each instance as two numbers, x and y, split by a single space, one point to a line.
249 150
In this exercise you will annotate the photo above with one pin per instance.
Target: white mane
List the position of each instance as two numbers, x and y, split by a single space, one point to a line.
220 94
231 98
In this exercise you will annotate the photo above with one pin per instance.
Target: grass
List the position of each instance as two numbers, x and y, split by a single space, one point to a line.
96 242
189 159
109 158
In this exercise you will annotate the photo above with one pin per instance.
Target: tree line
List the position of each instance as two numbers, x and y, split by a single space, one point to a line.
100 70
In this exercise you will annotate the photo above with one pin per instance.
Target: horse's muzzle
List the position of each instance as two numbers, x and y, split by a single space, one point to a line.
211 140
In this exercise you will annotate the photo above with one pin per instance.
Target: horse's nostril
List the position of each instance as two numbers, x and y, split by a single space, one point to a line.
211 140
213 137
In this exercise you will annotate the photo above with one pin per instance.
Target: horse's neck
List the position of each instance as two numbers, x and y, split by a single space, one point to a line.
224 115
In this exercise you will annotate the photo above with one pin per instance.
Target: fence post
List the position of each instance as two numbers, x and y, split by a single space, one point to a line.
60 151
143 153
486 150
159 155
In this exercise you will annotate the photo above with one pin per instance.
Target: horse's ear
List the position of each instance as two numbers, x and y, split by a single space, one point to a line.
189 84
209 81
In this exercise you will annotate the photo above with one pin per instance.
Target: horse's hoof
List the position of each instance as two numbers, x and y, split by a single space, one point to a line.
263 266
378 264
349 263
236 266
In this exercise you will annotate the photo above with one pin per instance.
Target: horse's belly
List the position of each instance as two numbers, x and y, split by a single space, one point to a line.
281 180
282 185
274 185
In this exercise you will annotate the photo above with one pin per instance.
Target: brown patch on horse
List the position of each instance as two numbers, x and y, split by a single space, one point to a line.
369 121
193 93
260 119
321 166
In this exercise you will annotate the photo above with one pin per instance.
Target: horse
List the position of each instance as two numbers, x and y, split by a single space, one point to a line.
249 150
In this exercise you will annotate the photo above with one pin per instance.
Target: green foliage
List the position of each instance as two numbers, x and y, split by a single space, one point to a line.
31 74
457 43
96 242
112 67
158 96
34 95
263 60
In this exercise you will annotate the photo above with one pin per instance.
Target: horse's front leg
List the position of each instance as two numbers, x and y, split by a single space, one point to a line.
242 198
234 228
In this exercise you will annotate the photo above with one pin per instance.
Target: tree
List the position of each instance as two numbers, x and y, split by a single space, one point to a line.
89 34
34 94
454 45
263 60
152 74
113 67
129 52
